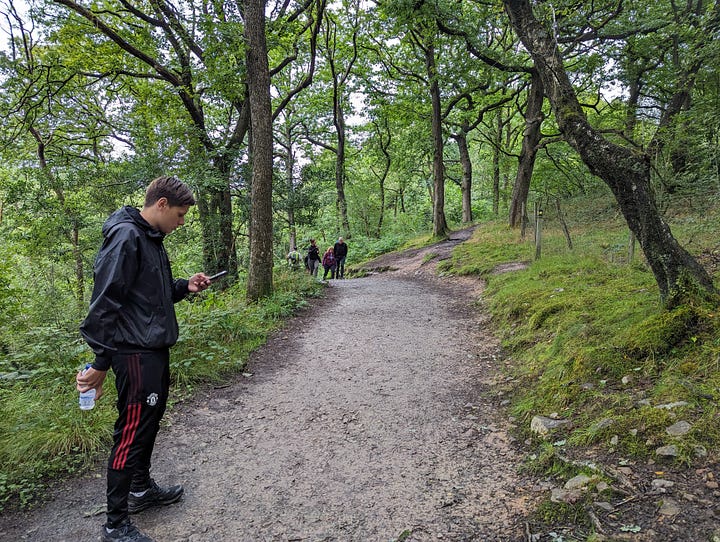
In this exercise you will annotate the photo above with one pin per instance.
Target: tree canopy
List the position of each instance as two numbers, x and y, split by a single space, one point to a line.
375 117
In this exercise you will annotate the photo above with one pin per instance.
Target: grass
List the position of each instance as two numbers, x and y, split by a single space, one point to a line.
589 341
589 337
44 435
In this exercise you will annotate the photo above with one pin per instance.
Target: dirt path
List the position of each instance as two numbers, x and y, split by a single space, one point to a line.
370 417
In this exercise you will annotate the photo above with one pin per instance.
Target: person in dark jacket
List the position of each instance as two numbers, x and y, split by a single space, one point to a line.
130 327
340 250
313 258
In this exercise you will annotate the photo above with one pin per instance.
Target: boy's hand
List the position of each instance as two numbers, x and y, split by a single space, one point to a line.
92 379
198 282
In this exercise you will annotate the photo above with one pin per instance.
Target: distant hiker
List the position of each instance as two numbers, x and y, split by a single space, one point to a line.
130 327
329 264
294 258
340 250
313 258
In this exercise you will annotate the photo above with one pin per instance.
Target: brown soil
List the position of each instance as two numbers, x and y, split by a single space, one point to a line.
373 416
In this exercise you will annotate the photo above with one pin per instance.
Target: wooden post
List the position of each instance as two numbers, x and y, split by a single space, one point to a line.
538 233
523 221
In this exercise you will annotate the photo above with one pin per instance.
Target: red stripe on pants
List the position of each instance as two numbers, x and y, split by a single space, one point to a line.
132 419
128 436
129 431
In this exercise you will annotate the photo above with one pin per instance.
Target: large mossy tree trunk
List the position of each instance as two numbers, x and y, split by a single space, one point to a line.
626 172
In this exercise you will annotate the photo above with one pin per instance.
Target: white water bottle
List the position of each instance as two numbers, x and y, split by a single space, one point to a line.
87 398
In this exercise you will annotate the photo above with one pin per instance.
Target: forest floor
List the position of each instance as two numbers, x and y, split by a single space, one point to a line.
374 415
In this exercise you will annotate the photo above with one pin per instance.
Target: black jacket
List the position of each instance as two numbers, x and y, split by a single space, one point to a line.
313 253
132 305
340 250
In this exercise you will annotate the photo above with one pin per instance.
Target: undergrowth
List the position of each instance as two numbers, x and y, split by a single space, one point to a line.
590 340
44 435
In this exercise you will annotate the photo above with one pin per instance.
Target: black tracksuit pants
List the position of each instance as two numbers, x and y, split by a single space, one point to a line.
142 381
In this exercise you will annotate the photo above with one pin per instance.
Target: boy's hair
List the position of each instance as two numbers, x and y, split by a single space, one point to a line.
177 192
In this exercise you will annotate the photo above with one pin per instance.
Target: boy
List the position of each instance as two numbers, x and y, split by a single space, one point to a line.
130 327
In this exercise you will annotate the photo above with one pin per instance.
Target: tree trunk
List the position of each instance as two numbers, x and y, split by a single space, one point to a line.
440 228
340 77
339 120
634 84
384 148
563 223
260 273
221 207
215 210
466 181
531 138
627 174
289 185
496 163
378 229
669 133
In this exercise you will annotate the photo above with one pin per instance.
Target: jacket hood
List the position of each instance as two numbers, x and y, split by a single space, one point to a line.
130 215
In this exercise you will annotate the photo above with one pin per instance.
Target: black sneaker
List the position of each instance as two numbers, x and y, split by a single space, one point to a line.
127 532
154 496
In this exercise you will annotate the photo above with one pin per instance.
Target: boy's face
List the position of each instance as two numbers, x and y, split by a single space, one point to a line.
170 217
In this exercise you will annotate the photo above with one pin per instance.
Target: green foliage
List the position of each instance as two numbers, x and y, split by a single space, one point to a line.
578 322
364 248
494 244
228 329
589 337
43 434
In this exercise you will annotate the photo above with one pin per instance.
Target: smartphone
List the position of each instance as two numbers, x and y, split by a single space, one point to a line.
218 275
